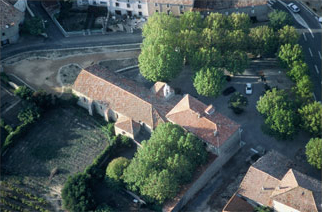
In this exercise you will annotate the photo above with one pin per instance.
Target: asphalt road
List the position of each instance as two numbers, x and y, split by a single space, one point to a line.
56 40
310 40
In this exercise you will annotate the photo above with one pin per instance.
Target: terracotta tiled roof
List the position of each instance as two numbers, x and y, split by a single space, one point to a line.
258 186
122 95
189 113
237 204
292 185
9 15
294 189
128 125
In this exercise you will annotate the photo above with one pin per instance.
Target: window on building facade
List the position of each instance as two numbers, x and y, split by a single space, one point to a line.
139 6
181 7
156 11
156 4
84 99
181 12
103 2
3 34
117 4
128 5
140 13
168 12
168 5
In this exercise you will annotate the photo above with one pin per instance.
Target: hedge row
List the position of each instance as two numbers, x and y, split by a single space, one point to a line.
14 136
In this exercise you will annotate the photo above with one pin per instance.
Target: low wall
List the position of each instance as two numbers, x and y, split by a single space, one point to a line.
204 178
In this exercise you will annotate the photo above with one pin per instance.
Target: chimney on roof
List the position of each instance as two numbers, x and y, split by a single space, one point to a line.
215 133
210 110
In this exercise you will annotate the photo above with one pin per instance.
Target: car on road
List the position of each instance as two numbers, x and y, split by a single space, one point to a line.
249 89
294 7
228 91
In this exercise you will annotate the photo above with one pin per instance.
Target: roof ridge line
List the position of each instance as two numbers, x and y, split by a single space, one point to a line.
125 91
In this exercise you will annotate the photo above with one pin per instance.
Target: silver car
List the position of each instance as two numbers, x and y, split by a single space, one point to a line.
293 7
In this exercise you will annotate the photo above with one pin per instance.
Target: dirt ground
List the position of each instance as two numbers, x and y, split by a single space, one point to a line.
41 73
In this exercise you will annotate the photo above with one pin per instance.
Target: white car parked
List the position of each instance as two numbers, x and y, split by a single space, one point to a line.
293 7
249 89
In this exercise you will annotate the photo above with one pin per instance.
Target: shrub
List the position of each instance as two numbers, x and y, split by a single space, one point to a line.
14 136
311 118
33 26
77 193
126 141
4 78
278 19
116 168
314 152
42 99
24 93
29 115
237 102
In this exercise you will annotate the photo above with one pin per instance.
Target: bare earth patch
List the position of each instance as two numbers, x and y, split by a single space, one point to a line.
114 65
68 74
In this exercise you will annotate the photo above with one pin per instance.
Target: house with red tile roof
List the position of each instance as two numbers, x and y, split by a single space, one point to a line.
217 131
119 99
272 182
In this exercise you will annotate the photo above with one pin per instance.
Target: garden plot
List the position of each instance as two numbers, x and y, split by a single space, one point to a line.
65 139
68 74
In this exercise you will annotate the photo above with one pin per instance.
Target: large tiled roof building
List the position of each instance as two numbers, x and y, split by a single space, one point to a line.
272 182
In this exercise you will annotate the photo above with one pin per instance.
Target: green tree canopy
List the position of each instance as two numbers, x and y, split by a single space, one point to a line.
288 34
159 62
237 102
154 171
288 54
29 115
278 19
304 89
24 92
311 118
277 109
298 70
34 26
77 194
236 62
209 81
116 167
218 21
263 40
237 40
314 152
191 21
189 43
240 21
206 57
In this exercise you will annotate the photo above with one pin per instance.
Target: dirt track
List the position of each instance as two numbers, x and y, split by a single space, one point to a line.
41 73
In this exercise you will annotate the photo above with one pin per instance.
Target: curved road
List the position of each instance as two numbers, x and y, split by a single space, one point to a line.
311 37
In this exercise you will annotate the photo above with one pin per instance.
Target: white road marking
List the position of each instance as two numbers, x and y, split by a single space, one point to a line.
320 55
304 36
311 32
310 52
316 68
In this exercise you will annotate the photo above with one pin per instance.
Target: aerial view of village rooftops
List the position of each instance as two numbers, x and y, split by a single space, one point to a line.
161 105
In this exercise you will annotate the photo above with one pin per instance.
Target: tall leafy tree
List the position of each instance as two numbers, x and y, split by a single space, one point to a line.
217 21
304 90
190 42
314 152
236 62
154 171
206 57
77 194
209 81
311 118
191 21
288 34
289 53
240 21
159 62
278 19
263 40
298 70
279 113
237 40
